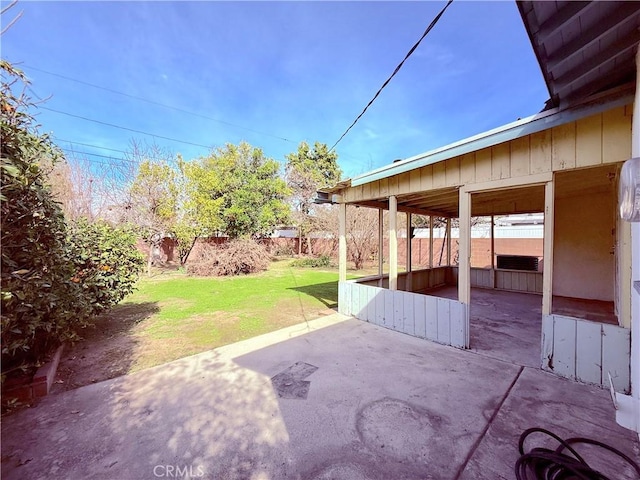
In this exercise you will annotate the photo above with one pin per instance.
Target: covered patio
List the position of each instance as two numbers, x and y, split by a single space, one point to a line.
561 164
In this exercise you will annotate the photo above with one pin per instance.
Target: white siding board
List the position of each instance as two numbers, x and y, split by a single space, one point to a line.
420 316
371 304
431 314
564 346
380 307
409 319
616 355
444 323
589 352
398 310
364 302
388 309
341 298
457 322
546 350
347 297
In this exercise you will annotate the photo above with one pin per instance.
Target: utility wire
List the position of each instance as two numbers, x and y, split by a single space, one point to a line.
125 128
153 102
431 25
74 151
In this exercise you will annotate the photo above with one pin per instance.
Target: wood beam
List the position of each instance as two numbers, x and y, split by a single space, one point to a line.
560 19
401 208
547 276
624 12
342 242
380 245
464 266
592 64
393 243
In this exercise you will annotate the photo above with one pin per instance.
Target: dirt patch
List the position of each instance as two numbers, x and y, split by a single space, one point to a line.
107 349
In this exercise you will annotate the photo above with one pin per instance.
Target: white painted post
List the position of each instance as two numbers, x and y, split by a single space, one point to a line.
430 241
409 283
380 246
393 243
448 241
342 242
493 252
408 242
547 275
464 267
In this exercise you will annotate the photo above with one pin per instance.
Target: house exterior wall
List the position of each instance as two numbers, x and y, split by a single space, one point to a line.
596 140
584 242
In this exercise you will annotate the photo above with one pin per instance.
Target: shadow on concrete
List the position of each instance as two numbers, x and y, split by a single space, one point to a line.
106 349
199 417
326 293
380 405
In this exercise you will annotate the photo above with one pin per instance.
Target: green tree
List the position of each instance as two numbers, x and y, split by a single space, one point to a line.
153 202
307 171
236 191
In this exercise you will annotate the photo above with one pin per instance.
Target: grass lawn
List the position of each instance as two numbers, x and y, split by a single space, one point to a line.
177 315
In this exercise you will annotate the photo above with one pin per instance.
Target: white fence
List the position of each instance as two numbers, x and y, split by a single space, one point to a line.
586 351
438 319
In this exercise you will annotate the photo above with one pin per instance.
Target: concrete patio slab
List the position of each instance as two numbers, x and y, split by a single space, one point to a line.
378 405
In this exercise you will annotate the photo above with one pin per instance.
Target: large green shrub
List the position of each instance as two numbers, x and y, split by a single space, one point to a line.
106 262
39 300
53 278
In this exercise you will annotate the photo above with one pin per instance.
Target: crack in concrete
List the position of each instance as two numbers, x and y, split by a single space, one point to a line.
486 428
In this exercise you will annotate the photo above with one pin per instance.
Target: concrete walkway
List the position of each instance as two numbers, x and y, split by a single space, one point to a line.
348 400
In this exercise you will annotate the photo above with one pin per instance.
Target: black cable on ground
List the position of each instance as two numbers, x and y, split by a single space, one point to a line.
546 464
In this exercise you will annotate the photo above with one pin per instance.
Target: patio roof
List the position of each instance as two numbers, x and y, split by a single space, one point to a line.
582 47
536 123
586 51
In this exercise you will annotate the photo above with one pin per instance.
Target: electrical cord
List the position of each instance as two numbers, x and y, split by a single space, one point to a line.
546 464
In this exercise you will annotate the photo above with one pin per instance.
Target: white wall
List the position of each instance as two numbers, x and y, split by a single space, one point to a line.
583 246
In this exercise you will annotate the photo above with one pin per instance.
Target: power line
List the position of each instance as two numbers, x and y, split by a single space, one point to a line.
74 151
71 142
124 128
153 102
431 25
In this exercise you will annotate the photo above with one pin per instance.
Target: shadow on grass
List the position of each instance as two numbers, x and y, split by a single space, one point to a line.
326 293
107 348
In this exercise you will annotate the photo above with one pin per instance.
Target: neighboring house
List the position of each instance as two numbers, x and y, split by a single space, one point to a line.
563 163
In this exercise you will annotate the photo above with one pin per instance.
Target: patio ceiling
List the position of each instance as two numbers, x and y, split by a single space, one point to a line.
582 47
445 202
530 199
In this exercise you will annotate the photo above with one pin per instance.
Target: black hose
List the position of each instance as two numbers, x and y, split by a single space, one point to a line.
546 464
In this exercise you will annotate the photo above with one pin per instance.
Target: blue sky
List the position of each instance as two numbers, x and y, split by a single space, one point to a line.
276 73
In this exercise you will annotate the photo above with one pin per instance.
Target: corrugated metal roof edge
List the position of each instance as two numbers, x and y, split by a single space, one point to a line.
533 124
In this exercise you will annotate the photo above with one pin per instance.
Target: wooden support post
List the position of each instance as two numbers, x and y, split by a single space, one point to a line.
430 241
448 235
547 275
493 251
409 284
393 243
409 253
380 246
342 242
464 268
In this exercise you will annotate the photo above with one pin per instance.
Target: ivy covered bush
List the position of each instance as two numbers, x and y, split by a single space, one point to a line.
54 277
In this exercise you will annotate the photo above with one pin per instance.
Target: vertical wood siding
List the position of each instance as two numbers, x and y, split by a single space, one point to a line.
591 141
437 319
586 351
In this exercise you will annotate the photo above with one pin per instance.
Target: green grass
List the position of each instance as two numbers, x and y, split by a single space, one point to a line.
188 315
